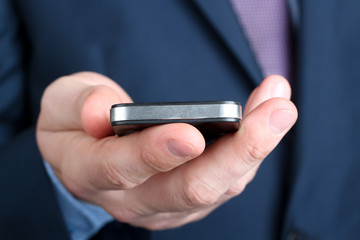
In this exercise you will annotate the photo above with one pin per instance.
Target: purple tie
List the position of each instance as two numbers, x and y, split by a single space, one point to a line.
266 26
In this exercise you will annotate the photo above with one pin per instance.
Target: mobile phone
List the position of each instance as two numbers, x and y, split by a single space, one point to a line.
212 118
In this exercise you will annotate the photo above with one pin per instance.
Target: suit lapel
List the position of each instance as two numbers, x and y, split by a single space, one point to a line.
222 18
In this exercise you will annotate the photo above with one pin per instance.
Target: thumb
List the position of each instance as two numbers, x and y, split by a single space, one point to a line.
82 102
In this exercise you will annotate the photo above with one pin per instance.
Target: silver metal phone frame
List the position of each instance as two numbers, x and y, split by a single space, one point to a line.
175 111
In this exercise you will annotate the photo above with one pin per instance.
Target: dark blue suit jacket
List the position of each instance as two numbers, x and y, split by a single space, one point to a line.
173 50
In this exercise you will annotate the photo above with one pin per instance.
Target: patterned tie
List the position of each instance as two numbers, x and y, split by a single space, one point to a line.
267 28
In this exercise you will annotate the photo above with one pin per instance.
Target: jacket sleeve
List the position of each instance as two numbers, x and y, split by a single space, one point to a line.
28 206
11 73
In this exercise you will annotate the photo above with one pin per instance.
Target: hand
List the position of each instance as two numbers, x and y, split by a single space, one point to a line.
142 178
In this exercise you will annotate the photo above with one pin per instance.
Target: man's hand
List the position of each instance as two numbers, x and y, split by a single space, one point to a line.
142 178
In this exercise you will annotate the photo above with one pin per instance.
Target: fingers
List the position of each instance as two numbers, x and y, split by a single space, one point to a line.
138 156
206 180
77 106
116 163
151 164
70 106
273 86
235 155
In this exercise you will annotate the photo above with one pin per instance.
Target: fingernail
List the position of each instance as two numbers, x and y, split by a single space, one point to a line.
181 149
281 120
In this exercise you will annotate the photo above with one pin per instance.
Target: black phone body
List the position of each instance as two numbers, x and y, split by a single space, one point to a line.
212 118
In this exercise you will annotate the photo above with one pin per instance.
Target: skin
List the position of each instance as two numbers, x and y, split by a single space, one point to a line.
142 178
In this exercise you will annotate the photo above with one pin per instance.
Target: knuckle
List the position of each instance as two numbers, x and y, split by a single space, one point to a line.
236 189
47 98
125 215
233 170
254 155
241 184
91 92
152 161
156 225
101 90
115 177
199 194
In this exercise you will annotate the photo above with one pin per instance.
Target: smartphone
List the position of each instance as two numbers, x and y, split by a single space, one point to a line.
212 118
